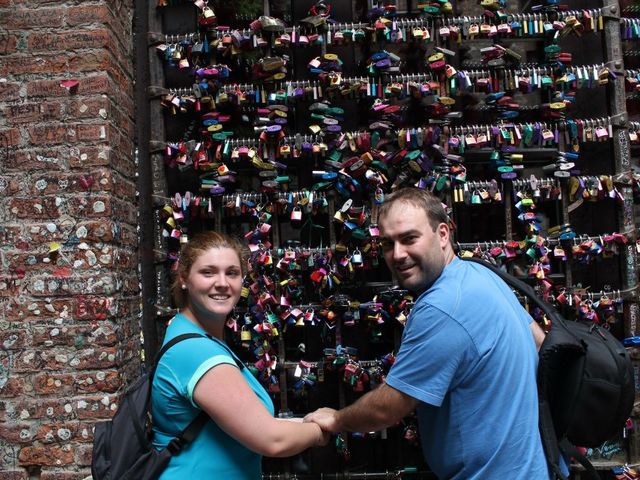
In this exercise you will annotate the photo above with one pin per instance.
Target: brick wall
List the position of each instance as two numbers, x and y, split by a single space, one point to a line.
69 301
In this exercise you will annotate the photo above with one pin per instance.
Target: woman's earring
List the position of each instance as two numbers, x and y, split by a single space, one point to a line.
184 287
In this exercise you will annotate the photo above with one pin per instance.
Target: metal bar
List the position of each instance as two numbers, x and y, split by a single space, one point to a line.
147 215
621 151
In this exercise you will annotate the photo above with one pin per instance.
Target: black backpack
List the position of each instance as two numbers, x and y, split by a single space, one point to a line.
585 382
122 448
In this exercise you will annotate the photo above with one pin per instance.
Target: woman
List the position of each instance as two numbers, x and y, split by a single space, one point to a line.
202 373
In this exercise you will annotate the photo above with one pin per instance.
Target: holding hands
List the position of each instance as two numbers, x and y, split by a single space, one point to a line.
325 418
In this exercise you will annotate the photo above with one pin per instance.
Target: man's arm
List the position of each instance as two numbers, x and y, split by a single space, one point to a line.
378 409
538 333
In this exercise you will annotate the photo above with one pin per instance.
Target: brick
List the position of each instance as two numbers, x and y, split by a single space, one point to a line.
32 112
83 455
123 121
10 286
92 132
98 231
35 208
20 261
14 339
79 336
27 360
9 137
87 15
9 91
51 183
21 310
123 187
75 40
58 358
9 233
46 64
94 308
45 285
89 84
94 207
21 64
72 233
129 236
93 156
56 475
13 387
9 185
18 433
13 474
34 159
51 134
80 382
32 3
44 233
88 107
8 43
22 18
49 455
63 432
124 259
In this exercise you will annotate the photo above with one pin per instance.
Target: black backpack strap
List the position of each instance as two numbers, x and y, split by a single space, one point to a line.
524 289
170 344
571 451
192 430
549 441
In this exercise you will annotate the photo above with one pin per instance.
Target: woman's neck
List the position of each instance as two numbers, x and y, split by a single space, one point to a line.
213 326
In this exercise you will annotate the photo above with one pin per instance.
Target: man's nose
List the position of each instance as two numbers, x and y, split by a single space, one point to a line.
399 251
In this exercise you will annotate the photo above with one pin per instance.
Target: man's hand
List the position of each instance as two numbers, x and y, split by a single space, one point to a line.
325 418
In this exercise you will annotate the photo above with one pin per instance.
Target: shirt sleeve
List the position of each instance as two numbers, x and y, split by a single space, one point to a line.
433 355
188 361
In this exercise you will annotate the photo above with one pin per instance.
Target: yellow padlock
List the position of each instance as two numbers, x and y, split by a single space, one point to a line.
245 334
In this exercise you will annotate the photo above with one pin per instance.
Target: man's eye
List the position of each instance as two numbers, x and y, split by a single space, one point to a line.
386 245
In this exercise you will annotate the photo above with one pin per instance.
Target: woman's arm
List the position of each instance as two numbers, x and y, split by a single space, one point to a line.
226 396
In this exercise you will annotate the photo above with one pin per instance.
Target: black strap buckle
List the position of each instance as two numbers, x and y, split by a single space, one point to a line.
175 445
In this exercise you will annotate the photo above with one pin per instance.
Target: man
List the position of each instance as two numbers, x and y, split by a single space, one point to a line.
467 360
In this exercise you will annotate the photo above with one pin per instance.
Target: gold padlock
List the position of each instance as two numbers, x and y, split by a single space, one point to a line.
245 334
208 13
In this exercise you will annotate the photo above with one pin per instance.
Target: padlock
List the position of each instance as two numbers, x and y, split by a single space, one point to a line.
356 258
245 334
296 214
207 17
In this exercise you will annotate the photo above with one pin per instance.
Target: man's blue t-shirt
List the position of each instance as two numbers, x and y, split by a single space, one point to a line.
469 357
213 454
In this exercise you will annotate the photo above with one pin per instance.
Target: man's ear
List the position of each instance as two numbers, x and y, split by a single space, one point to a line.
443 234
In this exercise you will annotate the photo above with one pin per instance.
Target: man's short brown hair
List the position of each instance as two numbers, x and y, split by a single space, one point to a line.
419 198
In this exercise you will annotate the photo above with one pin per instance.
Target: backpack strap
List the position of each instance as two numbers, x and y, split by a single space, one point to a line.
570 450
192 430
525 289
549 440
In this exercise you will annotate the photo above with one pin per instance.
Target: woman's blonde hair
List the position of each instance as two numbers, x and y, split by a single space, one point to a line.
190 252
